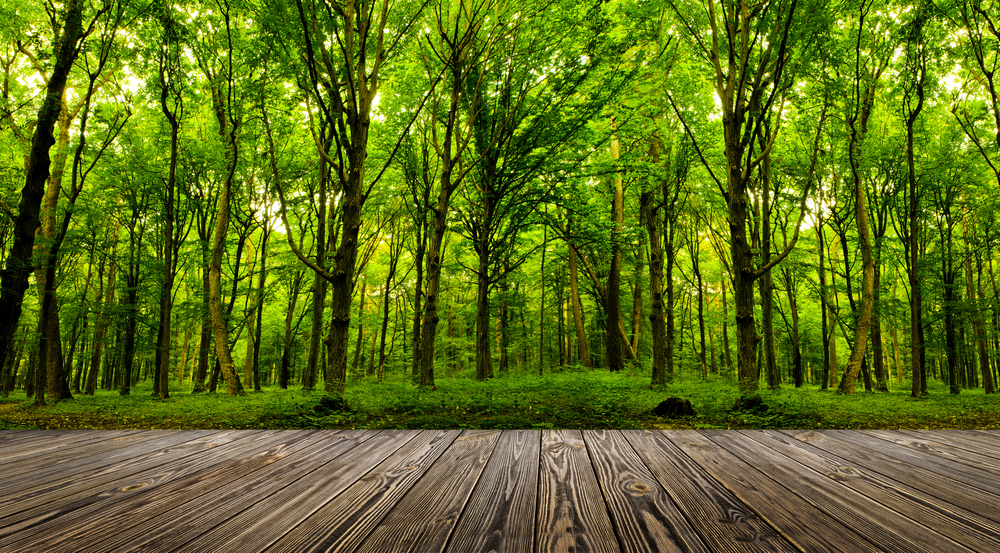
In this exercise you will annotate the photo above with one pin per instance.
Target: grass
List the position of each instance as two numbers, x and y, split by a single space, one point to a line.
571 399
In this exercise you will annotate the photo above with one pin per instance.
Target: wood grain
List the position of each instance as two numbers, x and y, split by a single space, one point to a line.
937 450
298 492
55 465
499 515
795 518
424 519
644 516
571 511
491 491
723 521
343 523
131 510
969 497
963 526
967 440
87 492
883 526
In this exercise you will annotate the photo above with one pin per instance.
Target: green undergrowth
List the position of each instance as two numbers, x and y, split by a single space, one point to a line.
573 398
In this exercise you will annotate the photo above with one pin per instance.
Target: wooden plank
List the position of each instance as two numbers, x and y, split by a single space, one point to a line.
54 469
48 508
938 450
963 526
643 514
966 440
343 523
961 472
133 509
14 443
889 529
720 518
809 528
20 458
571 512
959 494
268 518
109 483
423 520
500 514
249 514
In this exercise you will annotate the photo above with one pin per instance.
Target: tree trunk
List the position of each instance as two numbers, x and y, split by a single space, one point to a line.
823 296
385 314
361 328
582 351
284 375
881 381
259 309
14 280
220 331
541 308
169 263
978 325
863 326
612 298
656 316
793 308
767 280
864 97
205 340
103 320
695 243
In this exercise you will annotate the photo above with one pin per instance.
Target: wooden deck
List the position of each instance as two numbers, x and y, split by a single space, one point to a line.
510 491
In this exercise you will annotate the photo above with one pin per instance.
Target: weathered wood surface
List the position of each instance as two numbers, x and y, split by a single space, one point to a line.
512 491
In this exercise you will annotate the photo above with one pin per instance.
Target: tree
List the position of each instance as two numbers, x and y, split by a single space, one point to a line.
14 280
870 61
751 47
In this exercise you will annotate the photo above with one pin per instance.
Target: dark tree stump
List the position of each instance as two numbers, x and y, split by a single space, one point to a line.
751 402
673 408
331 404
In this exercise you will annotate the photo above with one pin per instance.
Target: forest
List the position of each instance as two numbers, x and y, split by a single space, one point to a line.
201 195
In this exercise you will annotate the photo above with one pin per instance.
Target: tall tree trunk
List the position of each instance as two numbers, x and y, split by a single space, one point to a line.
259 309
656 316
823 295
220 331
103 320
793 308
725 326
767 280
864 98
284 375
228 132
612 298
361 328
978 326
878 355
919 384
385 308
541 308
863 326
582 350
205 339
14 280
169 263
695 243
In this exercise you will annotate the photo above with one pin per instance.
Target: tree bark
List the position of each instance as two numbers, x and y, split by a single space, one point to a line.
14 280
582 351
612 298
656 316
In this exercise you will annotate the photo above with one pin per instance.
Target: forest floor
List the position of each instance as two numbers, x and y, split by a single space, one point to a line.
569 399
